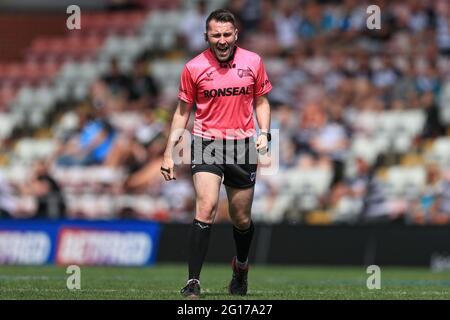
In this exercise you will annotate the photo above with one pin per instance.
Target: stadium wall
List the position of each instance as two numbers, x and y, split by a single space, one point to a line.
139 243
63 242
321 245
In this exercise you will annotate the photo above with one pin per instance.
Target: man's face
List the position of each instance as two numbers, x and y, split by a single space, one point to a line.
221 37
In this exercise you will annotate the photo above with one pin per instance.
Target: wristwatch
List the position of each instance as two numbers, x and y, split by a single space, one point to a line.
267 134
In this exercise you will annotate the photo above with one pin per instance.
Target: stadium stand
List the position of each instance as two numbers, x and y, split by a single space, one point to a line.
363 114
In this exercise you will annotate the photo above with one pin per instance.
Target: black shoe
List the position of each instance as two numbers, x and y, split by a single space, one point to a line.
238 284
192 289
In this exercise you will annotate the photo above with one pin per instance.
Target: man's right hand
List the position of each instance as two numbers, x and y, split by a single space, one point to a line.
167 169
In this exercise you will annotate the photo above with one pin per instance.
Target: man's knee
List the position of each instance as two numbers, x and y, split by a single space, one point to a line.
205 211
242 221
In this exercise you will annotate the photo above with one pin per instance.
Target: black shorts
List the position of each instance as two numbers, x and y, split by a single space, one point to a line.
234 160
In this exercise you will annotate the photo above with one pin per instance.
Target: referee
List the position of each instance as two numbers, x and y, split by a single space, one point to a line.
225 82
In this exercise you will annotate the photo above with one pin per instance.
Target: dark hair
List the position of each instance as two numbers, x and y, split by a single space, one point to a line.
221 15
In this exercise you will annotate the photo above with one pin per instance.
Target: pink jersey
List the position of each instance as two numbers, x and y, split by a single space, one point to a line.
224 93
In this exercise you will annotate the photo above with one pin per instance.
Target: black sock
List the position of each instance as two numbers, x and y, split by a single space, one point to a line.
198 246
243 239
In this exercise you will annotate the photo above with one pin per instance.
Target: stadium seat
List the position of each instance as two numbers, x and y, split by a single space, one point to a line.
25 96
413 121
347 210
406 181
401 143
80 91
389 123
7 124
366 148
44 98
70 72
131 47
366 123
112 47
27 150
440 151
16 173
315 181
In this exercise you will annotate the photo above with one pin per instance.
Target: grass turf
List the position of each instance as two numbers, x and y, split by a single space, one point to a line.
164 281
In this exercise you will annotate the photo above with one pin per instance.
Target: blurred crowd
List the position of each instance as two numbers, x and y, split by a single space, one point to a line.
359 113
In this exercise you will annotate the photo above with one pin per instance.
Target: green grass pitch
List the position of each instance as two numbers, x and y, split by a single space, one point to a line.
163 281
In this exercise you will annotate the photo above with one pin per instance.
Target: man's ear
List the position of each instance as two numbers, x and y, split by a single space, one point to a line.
236 35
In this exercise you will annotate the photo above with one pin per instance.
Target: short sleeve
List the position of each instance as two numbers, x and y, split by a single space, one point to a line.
187 87
262 83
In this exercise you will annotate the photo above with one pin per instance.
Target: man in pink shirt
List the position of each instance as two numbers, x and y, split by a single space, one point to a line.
226 83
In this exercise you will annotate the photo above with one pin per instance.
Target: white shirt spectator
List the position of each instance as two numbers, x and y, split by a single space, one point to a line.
7 201
286 28
193 29
443 33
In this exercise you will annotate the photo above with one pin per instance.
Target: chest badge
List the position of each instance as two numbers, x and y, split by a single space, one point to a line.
244 72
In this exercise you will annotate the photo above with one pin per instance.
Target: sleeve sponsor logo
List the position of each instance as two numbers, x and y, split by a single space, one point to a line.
265 83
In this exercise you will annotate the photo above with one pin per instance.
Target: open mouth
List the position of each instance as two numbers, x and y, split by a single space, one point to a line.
222 51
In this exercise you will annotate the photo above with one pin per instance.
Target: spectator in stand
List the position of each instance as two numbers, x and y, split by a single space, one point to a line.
48 193
442 213
8 204
132 150
315 22
92 145
324 142
426 209
191 30
287 22
143 89
346 197
326 67
379 206
250 15
442 10
433 126
147 174
264 39
428 80
111 91
117 82
291 80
